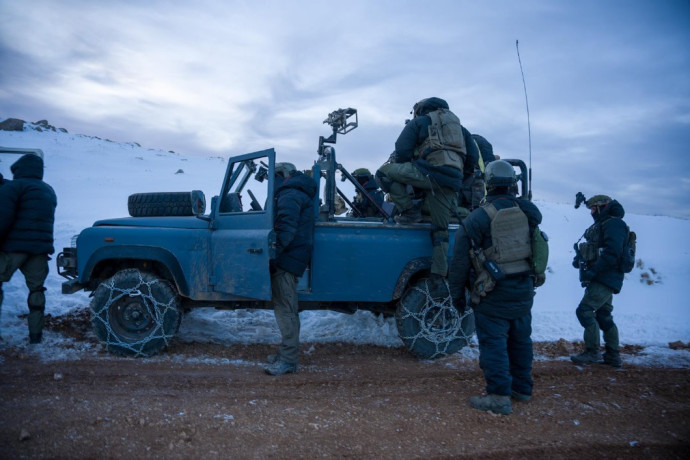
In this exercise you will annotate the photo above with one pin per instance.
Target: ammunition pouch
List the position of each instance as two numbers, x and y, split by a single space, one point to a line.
484 282
444 158
589 252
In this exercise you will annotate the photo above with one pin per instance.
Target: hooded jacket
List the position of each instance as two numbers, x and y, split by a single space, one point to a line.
293 222
27 209
513 296
611 233
413 135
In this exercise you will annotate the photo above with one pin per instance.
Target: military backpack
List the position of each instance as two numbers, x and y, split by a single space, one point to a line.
627 260
445 144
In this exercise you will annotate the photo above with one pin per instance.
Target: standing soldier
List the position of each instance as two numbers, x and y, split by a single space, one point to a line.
27 215
293 223
493 253
600 274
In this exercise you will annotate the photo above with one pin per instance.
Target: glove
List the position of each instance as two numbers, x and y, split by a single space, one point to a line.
576 262
540 279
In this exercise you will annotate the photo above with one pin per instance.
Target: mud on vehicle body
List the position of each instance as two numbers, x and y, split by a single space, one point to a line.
145 271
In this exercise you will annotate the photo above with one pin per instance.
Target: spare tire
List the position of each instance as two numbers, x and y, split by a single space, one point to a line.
166 204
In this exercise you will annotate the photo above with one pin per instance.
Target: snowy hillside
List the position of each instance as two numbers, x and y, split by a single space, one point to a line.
93 178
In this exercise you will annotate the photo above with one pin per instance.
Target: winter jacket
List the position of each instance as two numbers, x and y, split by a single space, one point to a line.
293 222
611 233
413 135
363 204
27 209
512 297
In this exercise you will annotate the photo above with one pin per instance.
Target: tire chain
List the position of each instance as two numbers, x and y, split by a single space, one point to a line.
441 338
159 311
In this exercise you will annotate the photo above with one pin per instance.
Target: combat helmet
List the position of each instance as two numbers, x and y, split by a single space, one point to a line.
363 175
598 200
285 169
499 173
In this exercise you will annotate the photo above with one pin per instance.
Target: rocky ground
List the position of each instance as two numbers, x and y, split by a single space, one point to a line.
212 401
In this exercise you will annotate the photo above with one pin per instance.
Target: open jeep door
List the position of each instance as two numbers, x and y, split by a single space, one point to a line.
242 238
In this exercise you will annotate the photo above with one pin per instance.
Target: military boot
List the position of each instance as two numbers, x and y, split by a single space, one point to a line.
495 403
35 338
411 215
520 397
612 357
280 367
588 356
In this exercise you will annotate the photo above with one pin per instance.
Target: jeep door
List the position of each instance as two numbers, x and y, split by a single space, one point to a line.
242 228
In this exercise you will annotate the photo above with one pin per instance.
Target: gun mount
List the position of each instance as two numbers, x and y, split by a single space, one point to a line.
342 122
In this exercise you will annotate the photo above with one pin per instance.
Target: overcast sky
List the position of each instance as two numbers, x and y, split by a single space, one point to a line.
608 82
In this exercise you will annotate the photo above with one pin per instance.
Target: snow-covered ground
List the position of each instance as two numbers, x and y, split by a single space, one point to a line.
93 178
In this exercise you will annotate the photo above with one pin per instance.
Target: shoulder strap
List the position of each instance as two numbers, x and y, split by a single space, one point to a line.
490 209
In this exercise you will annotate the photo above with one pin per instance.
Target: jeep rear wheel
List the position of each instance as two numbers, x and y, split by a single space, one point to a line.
135 313
429 325
166 204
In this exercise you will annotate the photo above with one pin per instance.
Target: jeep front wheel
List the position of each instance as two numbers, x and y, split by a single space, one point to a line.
429 325
135 313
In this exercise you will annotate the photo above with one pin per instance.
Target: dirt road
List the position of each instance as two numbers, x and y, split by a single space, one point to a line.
210 401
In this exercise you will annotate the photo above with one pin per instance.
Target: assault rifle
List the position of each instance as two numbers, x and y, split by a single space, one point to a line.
582 264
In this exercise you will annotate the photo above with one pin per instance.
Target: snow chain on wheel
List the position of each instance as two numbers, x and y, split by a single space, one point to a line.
135 313
167 204
431 327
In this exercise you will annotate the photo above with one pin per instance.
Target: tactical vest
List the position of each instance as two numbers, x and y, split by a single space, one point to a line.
589 249
445 145
511 241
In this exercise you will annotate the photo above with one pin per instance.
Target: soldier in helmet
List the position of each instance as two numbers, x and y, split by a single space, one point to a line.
500 231
431 153
293 224
365 208
601 277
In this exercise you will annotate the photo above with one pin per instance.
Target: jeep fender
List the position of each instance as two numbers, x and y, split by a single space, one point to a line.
138 253
409 272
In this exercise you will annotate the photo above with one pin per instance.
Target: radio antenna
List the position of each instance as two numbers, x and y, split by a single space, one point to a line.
529 131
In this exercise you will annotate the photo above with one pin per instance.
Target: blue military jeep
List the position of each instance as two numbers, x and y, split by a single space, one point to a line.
145 271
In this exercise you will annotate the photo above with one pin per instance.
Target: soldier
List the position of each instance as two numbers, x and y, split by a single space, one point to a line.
601 277
365 208
430 155
294 228
499 232
27 215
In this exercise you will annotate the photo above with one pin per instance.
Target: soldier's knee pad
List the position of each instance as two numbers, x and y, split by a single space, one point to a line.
37 300
605 320
585 316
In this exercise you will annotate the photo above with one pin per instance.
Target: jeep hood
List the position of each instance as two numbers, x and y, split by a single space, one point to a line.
160 222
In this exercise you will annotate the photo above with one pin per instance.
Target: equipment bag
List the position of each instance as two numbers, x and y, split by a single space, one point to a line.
540 251
445 132
511 240
627 260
